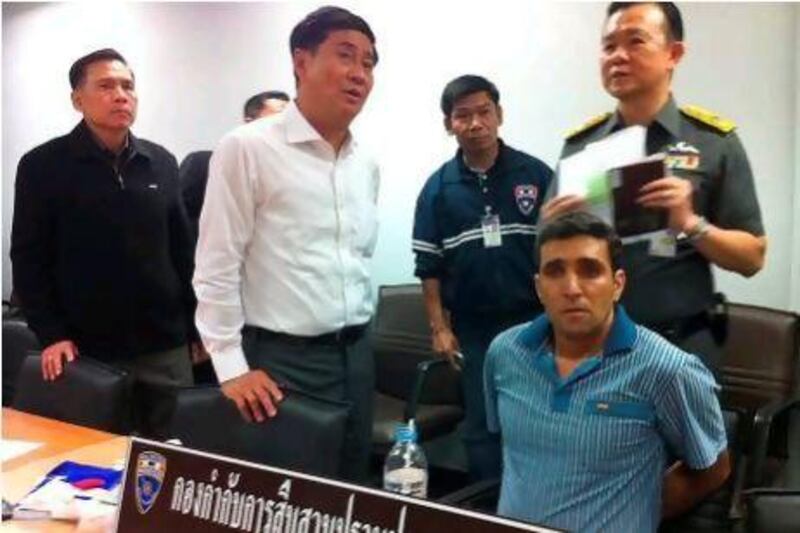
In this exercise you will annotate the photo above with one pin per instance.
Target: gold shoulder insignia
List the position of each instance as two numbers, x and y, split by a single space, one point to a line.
589 124
709 118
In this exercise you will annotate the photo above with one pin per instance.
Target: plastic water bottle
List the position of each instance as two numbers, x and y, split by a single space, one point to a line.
406 469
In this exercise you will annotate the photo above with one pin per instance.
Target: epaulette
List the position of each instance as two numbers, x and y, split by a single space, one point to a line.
586 126
709 118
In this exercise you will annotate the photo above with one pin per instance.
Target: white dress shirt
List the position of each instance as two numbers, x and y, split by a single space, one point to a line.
286 232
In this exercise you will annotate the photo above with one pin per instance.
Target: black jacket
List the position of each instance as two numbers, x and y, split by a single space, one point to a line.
193 175
100 256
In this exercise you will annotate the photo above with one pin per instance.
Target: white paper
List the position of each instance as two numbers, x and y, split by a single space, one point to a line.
11 449
580 173
584 173
577 173
621 148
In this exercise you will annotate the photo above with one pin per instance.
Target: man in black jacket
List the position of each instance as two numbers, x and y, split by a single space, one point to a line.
100 244
193 171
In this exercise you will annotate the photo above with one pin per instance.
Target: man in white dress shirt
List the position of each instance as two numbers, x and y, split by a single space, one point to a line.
286 233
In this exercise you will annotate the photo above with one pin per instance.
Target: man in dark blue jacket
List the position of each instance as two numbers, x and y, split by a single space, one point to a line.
100 245
474 237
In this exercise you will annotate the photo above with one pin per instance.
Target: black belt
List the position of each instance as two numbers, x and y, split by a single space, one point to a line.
678 330
341 337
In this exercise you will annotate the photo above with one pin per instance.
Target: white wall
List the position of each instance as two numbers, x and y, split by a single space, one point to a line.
196 63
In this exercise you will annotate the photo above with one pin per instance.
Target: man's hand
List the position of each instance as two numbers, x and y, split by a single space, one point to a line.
52 364
674 195
198 353
684 488
560 205
255 395
445 344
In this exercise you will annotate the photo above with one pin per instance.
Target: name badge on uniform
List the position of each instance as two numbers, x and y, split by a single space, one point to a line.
663 244
490 225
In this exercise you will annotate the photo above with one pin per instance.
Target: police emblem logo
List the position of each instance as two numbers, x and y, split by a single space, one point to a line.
682 156
525 196
150 470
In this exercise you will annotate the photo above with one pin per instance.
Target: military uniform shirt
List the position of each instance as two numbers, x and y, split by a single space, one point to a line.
704 149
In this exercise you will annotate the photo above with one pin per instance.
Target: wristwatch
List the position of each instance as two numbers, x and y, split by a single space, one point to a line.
696 232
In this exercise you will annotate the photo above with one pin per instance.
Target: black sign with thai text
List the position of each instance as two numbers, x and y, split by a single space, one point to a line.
170 488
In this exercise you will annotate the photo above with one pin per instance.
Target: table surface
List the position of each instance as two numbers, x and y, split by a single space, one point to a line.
60 442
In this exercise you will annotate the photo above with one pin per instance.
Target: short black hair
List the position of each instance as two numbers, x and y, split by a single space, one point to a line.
578 223
310 32
672 14
77 72
464 86
254 104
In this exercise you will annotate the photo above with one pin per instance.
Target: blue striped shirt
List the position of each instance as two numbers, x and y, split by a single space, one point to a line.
588 452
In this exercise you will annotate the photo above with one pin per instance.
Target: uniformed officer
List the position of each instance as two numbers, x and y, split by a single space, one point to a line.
709 192
474 235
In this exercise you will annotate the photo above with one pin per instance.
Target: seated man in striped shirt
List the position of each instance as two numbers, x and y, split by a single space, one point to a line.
591 406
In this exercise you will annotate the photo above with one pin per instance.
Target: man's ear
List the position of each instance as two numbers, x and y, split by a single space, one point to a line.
448 126
77 101
536 287
300 59
676 51
499 115
620 278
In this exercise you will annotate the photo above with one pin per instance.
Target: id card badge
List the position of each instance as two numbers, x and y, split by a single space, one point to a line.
490 225
663 245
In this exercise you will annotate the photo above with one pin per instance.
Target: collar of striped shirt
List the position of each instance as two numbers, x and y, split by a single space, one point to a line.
621 336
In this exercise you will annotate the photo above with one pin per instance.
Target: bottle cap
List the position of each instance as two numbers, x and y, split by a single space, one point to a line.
406 432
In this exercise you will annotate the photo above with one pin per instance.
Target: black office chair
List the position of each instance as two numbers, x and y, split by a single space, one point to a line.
306 435
88 393
761 360
761 372
18 341
410 381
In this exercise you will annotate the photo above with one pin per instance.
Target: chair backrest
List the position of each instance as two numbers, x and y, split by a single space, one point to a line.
306 435
18 340
401 338
88 393
761 356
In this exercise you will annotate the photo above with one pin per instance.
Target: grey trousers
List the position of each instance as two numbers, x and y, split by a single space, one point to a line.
155 377
339 372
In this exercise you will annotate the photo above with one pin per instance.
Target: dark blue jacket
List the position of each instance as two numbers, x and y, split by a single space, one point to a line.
448 241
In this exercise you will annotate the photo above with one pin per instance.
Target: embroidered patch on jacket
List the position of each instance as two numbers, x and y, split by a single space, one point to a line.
526 198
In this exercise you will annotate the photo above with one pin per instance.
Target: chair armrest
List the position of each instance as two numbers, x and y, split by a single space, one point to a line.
477 490
424 370
765 421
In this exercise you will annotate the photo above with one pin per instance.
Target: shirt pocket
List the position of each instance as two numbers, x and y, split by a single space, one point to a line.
619 431
637 411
